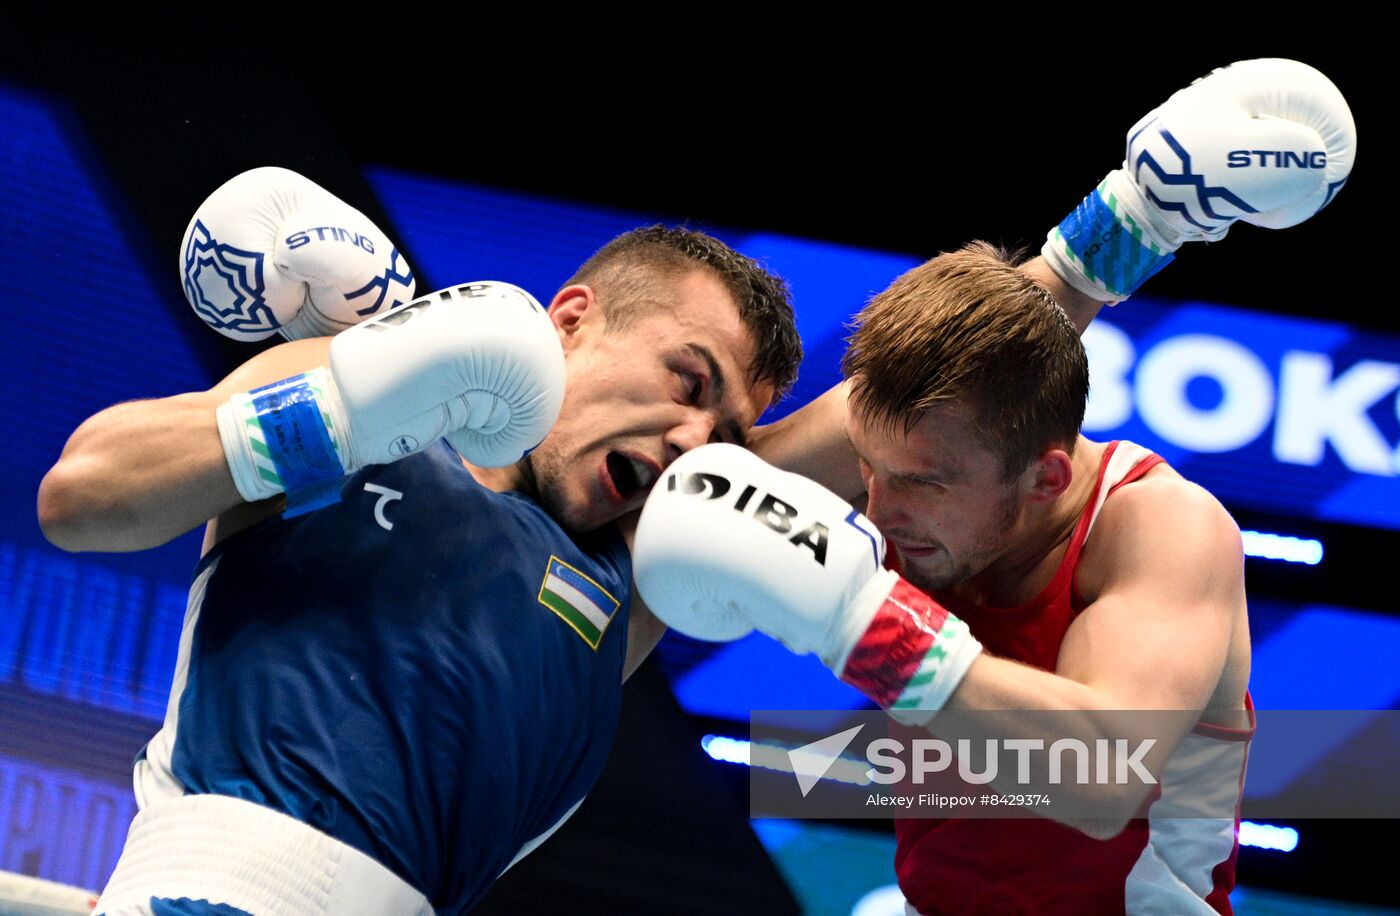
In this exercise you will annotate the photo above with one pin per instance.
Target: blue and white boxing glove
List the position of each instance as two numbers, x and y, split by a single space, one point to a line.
271 251
1268 142
480 364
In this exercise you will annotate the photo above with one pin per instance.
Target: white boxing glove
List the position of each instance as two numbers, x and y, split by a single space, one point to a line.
727 544
271 251
1268 142
480 364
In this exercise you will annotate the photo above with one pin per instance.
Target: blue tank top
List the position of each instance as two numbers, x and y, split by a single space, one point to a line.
426 670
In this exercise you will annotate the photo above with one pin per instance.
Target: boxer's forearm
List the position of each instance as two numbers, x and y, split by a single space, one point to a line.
644 631
811 441
136 475
1001 700
140 473
1080 308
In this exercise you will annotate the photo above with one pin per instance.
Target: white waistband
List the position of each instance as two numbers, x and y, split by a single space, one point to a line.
226 850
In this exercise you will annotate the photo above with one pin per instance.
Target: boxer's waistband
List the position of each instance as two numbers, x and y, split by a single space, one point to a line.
226 850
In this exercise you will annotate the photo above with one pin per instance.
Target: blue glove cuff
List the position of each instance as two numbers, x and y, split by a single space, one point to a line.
1107 245
298 443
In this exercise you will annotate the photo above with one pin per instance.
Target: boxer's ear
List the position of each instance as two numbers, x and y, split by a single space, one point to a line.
1050 475
571 309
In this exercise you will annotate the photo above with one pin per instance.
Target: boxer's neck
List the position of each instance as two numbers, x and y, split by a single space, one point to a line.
1039 539
513 478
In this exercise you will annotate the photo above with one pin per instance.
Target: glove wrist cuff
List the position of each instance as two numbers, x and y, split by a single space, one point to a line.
912 654
286 437
254 474
1109 245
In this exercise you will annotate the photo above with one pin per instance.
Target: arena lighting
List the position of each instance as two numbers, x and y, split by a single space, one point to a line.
883 901
1282 547
726 750
1267 836
770 755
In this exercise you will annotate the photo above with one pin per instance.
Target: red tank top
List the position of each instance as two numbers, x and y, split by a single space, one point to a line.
1035 865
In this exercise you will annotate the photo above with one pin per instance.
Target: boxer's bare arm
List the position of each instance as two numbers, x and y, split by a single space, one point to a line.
811 441
1080 308
140 473
644 630
1164 578
1163 575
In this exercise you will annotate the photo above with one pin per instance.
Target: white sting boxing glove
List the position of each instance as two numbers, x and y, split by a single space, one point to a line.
480 364
271 251
727 544
1268 142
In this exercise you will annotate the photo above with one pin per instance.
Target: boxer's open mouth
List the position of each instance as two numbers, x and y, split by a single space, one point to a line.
624 474
630 474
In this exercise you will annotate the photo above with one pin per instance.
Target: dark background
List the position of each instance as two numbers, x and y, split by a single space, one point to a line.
901 136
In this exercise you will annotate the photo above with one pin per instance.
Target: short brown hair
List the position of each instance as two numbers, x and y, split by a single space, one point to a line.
626 271
970 327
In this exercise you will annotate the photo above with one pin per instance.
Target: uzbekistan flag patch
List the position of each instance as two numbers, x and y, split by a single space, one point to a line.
579 601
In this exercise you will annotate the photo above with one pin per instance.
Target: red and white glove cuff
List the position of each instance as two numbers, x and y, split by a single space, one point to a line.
912 655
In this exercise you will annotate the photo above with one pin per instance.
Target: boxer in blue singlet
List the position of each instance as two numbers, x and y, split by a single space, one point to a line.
416 614
382 703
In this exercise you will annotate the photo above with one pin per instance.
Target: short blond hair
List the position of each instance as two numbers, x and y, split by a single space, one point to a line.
970 328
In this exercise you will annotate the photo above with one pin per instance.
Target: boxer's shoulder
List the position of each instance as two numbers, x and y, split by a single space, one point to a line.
1155 526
